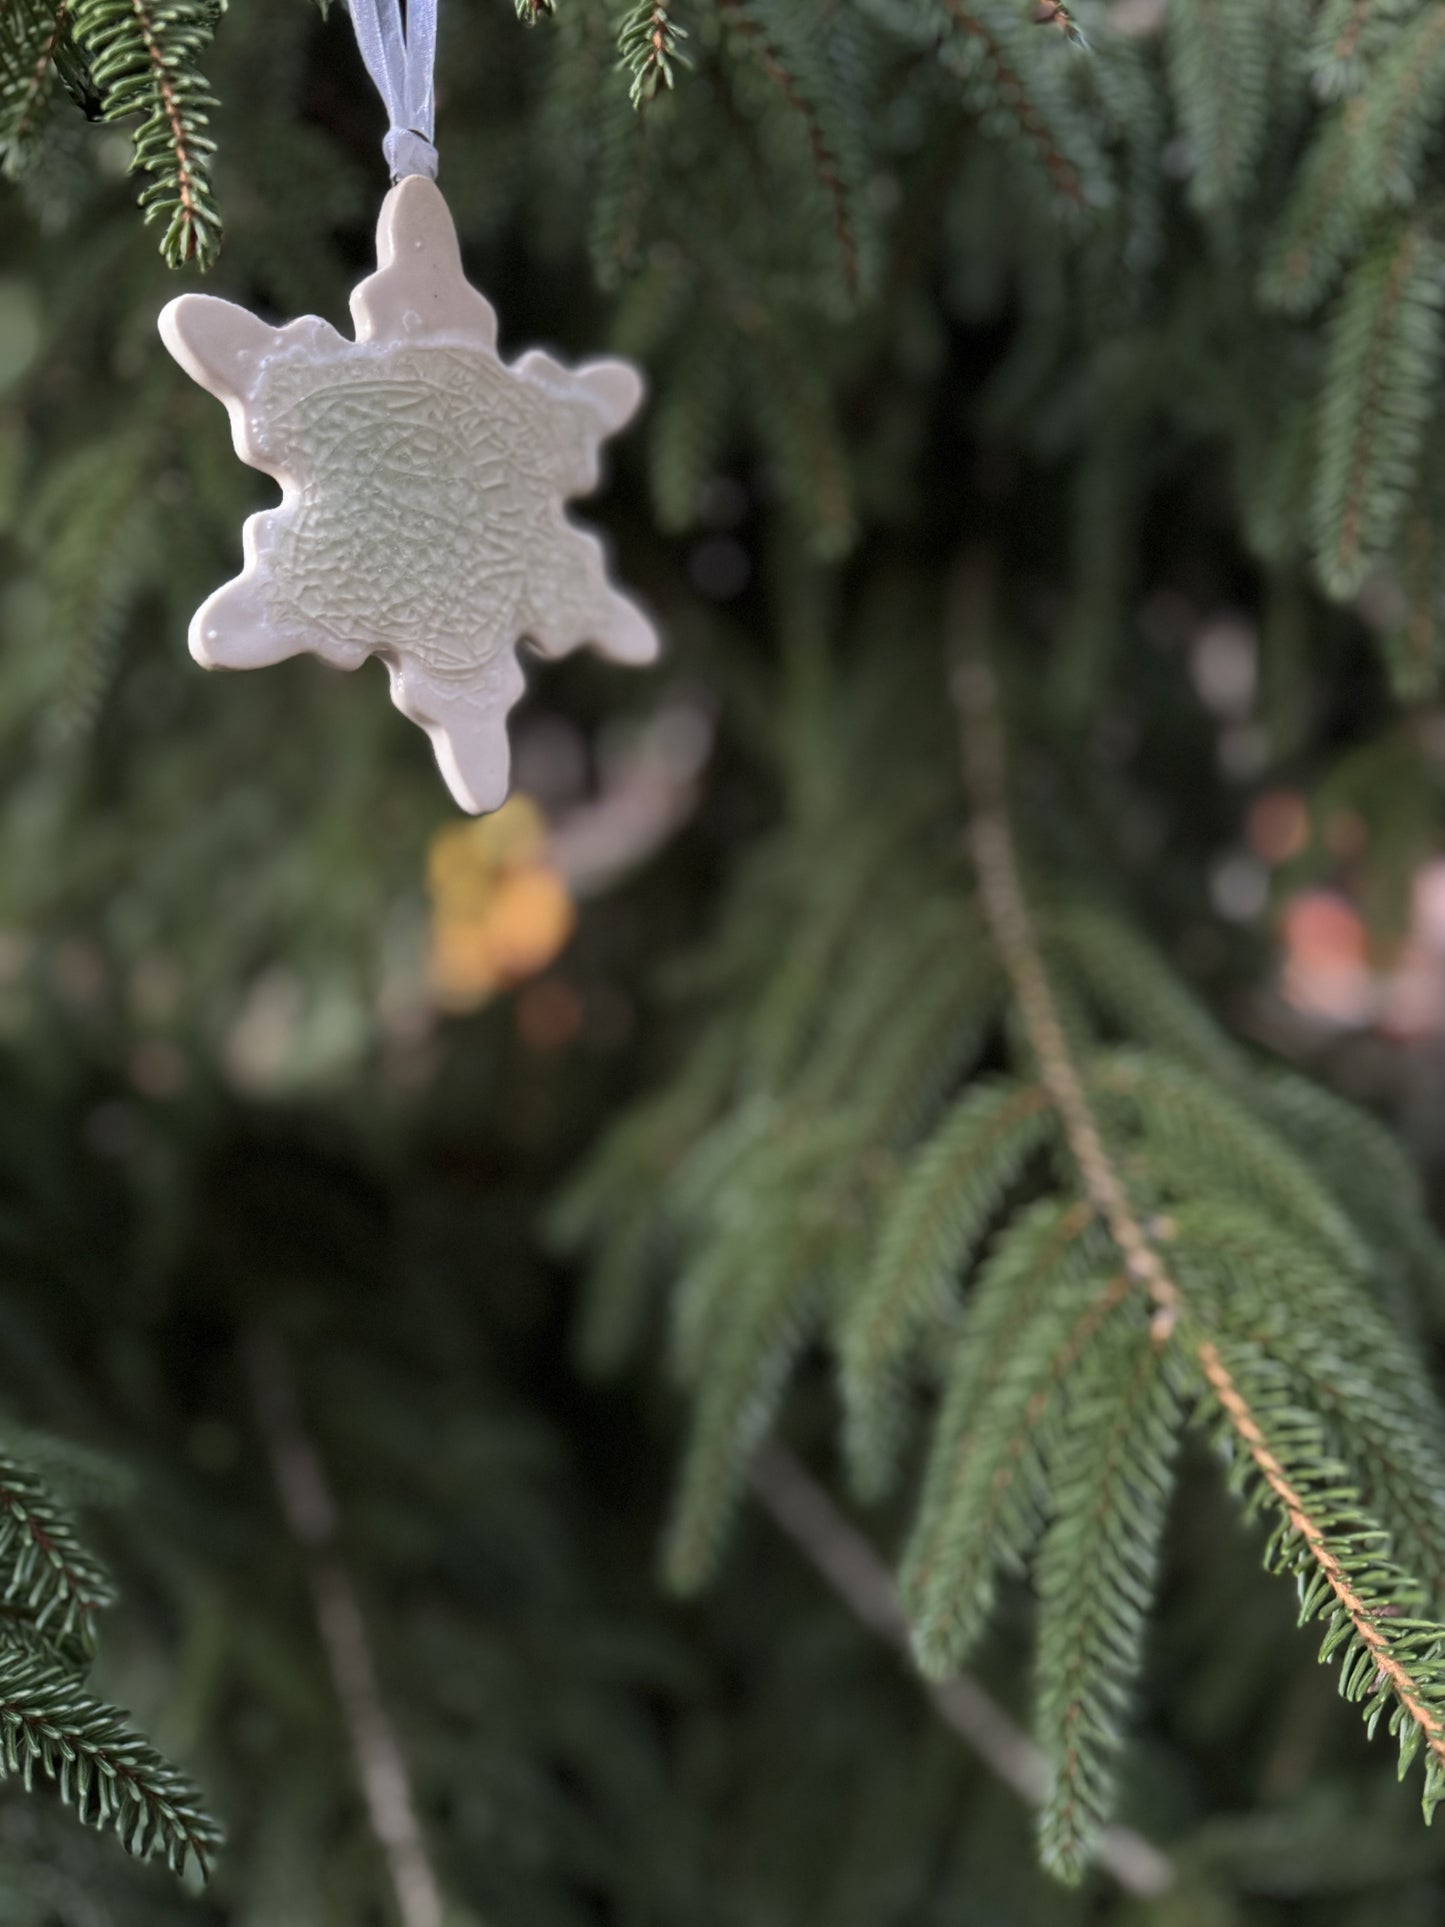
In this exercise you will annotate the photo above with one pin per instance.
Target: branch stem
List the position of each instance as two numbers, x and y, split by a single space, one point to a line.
310 1511
991 841
843 1557
1364 1621
39 74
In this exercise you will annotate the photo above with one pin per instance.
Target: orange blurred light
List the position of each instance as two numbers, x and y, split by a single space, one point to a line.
500 910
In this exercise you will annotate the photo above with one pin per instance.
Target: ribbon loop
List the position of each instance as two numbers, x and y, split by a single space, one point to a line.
401 61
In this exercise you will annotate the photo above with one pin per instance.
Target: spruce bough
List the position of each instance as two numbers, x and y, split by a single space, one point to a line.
936 1163
1186 1266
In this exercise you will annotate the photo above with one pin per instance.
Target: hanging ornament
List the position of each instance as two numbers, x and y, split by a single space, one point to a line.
423 478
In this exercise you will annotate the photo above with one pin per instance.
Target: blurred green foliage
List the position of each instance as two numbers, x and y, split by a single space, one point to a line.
1146 310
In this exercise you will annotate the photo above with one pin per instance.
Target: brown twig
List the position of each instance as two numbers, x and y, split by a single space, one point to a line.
1363 1619
990 836
841 1554
825 160
310 1510
1011 88
1349 35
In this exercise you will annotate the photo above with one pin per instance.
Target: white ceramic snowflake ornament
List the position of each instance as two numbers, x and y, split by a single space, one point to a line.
423 482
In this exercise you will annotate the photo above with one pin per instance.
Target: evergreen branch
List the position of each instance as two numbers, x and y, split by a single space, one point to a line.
836 1549
985 1487
1346 1578
30 32
625 181
953 1186
1275 467
1344 1353
1219 67
73 67
1337 43
19 1634
647 47
747 1303
110 1775
47 1573
619 1285
781 1026
773 1306
689 427
143 55
1095 1580
935 967
659 302
1328 1536
914 229
1321 221
1365 1168
93 531
1384 360
1053 13
1010 918
646 1144
1262 1270
78 1475
825 159
612 1199
990 838
1402 111
1047 1249
1010 88
1347 35
845 1560
310 1512
1126 82
1130 982
746 1144
1204 1140
934 1033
